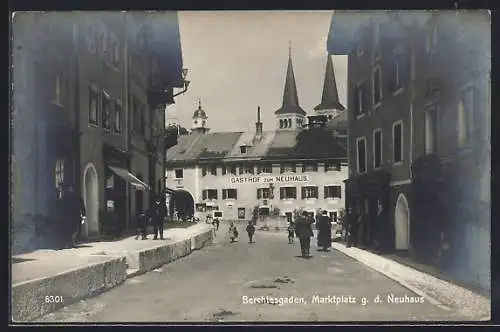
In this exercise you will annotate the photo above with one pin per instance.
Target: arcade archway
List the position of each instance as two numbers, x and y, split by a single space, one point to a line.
181 204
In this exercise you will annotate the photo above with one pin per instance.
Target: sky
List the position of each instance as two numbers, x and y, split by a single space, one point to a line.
237 61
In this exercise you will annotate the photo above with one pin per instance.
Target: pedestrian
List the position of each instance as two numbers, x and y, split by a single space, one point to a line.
157 218
291 230
73 212
352 228
217 223
324 226
142 224
250 231
233 232
304 232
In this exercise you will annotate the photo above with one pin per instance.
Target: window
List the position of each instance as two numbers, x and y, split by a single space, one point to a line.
229 194
115 51
243 149
333 191
310 167
59 177
179 173
288 193
281 124
264 193
118 116
332 166
309 192
289 123
93 106
361 147
265 169
57 88
397 142
90 39
104 40
431 39
376 34
231 170
287 168
209 194
137 113
399 69
377 86
377 148
359 99
247 169
431 132
203 171
143 120
213 170
106 112
465 109
360 47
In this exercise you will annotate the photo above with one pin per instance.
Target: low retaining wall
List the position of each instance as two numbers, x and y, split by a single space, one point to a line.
148 259
36 298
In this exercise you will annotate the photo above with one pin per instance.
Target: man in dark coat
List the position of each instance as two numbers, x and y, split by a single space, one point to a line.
157 217
73 210
304 232
324 226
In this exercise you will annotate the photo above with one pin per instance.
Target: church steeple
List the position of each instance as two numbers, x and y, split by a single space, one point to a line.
330 98
290 103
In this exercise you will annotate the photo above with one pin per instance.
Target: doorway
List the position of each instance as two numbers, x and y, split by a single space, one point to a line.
91 200
402 223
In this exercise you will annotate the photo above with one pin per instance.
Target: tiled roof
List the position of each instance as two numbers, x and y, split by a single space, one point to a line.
203 146
305 144
291 144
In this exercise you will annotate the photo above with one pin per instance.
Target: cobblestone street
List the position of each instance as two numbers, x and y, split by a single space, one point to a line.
217 283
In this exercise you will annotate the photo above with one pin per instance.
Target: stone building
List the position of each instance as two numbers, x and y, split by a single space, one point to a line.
269 171
92 78
418 125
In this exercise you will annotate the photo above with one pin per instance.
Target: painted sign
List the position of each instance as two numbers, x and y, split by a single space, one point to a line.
269 179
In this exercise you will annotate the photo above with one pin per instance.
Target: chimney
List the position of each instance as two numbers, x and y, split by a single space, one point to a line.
258 125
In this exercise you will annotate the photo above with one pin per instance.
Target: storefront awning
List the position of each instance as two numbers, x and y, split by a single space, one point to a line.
130 178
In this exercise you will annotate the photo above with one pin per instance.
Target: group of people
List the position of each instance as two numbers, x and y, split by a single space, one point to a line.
156 216
357 230
233 232
302 228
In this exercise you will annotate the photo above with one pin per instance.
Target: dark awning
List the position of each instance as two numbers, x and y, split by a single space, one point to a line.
130 178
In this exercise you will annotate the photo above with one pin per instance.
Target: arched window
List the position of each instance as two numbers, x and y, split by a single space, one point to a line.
289 123
281 124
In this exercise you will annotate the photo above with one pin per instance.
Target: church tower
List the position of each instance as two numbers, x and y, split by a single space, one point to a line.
199 120
290 116
330 105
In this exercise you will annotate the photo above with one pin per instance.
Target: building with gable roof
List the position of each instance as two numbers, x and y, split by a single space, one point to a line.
283 168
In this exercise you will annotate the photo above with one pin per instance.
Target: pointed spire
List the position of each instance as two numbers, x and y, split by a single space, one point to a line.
330 97
290 97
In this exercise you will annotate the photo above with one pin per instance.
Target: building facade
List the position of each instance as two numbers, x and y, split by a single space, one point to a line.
415 116
273 172
90 86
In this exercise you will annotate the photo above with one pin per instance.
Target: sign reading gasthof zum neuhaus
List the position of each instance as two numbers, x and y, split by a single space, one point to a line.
270 179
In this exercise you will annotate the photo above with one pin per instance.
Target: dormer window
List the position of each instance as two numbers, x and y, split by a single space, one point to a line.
243 149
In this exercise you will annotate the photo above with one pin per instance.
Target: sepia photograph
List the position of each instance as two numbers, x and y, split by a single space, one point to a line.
229 167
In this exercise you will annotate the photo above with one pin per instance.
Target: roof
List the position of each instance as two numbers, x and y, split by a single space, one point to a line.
330 96
290 103
274 145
